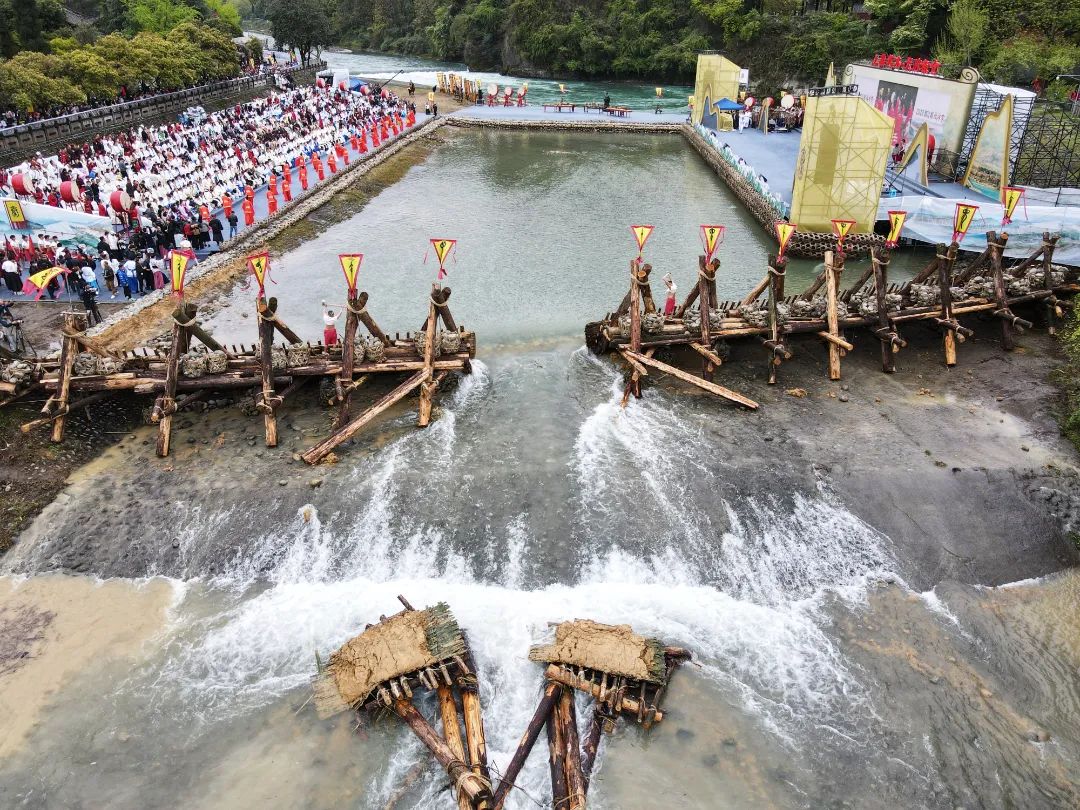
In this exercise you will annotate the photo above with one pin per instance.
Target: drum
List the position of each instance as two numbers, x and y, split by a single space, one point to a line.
22 184
69 192
120 201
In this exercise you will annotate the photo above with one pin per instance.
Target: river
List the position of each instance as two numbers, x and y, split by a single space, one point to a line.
876 592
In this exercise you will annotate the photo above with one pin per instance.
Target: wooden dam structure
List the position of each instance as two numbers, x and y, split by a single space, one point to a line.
391 665
940 294
195 365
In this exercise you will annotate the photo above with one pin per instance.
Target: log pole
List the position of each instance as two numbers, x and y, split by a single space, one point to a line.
1053 308
183 317
945 264
465 780
268 401
348 358
528 740
834 266
452 734
777 270
575 780
427 387
368 321
629 705
885 332
73 324
712 388
475 739
560 795
705 306
997 251
592 746
319 451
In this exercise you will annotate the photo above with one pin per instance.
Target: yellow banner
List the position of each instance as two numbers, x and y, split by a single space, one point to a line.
712 235
965 215
178 265
16 215
641 235
841 227
259 263
443 248
42 278
350 266
896 224
1010 196
784 232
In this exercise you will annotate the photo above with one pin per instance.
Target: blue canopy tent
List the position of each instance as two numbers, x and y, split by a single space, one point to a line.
356 84
727 105
711 111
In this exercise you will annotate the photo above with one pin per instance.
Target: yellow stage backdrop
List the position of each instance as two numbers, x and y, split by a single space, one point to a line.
988 167
717 78
841 166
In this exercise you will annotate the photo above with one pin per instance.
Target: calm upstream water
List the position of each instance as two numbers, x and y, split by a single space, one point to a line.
821 679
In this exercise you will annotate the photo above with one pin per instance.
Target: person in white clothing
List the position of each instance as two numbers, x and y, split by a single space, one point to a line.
329 325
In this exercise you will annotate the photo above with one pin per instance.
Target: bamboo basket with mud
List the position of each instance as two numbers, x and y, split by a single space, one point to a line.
389 663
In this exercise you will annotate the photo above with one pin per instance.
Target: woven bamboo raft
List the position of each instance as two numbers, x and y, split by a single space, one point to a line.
86 371
941 293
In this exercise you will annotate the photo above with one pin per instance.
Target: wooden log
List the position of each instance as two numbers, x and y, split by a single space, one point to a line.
369 322
191 399
710 355
267 400
705 306
442 297
635 310
1018 270
946 263
269 311
348 351
643 272
73 323
7 387
777 270
575 780
929 271
712 388
475 738
465 780
755 293
834 266
182 316
997 251
557 761
1053 311
427 387
92 345
452 735
976 264
864 277
634 384
528 740
837 340
630 705
591 746
319 451
885 331
185 314
217 381
639 369
79 403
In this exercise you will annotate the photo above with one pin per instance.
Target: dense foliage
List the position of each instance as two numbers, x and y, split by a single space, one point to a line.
781 41
74 74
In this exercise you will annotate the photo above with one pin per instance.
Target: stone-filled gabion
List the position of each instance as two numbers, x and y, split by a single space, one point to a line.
925 295
865 301
17 371
279 360
193 364
1035 276
816 308
624 325
652 323
450 342
85 364
217 362
421 344
758 316
374 351
980 287
298 354
111 365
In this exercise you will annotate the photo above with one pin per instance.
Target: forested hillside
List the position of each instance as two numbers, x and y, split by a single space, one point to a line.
779 40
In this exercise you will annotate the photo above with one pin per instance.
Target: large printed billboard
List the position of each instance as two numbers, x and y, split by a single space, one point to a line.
914 99
717 78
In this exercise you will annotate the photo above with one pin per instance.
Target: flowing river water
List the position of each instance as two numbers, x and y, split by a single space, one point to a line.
841 572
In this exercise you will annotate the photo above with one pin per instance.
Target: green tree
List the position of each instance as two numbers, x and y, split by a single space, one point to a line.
159 16
967 27
27 83
89 72
301 24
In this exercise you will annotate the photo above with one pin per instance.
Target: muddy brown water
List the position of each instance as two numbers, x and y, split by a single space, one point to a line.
875 579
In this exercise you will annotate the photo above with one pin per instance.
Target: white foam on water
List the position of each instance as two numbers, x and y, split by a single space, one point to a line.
760 636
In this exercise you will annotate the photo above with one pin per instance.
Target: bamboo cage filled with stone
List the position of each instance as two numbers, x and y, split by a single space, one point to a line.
940 294
191 367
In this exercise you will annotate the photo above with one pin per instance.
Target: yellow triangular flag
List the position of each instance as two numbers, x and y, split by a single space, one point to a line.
178 265
350 266
896 224
258 264
442 248
641 234
965 214
1010 196
712 235
784 232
